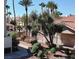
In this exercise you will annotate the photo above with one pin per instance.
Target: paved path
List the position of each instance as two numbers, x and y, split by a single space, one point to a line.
25 44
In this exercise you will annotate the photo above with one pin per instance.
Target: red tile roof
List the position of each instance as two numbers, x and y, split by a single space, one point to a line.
68 21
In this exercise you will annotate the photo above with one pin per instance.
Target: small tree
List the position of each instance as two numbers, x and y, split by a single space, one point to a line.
48 28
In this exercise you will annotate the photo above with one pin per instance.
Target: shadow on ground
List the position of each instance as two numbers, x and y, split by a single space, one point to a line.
22 53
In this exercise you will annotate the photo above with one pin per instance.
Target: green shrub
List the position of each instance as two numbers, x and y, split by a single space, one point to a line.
35 47
37 44
13 34
14 41
40 53
53 50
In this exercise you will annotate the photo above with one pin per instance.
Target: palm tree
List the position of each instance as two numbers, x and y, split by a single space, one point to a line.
14 14
34 18
52 6
26 3
7 7
9 13
5 2
23 20
42 6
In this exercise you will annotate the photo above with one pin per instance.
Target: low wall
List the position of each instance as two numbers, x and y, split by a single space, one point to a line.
7 42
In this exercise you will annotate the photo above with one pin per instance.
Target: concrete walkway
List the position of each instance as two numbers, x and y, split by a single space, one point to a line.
25 45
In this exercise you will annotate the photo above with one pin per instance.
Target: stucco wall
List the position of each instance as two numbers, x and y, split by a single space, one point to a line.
68 39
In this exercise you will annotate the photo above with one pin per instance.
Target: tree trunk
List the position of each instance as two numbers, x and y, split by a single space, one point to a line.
46 39
5 31
51 11
26 20
51 40
42 10
14 15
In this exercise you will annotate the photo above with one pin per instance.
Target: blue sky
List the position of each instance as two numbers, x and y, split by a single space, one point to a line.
65 6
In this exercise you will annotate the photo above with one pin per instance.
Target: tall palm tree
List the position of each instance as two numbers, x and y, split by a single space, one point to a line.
33 15
34 18
23 20
9 13
42 6
14 14
26 3
5 2
52 6
7 7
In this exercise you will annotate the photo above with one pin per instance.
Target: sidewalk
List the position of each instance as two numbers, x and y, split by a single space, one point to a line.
25 45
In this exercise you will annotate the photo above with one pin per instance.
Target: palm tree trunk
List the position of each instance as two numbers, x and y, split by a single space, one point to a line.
7 15
51 11
26 19
42 10
14 14
5 2
6 11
